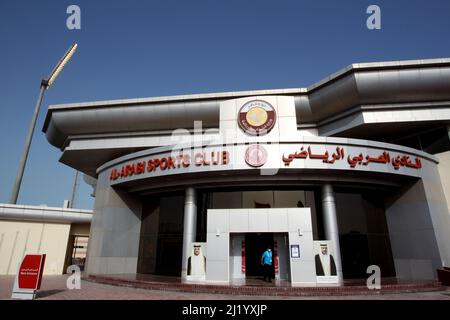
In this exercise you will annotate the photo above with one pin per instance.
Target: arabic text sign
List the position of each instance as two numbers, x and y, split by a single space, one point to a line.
30 271
277 158
354 160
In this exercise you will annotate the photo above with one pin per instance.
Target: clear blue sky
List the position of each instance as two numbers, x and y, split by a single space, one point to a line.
130 49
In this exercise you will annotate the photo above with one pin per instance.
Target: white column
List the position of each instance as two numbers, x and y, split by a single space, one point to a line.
331 225
190 226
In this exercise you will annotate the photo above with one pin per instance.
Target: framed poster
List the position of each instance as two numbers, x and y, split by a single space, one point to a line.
295 251
324 259
196 262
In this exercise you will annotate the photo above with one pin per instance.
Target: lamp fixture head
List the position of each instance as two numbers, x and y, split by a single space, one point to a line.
61 64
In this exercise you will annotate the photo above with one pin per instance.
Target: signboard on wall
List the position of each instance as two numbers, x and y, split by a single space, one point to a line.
326 271
196 262
287 156
295 251
29 277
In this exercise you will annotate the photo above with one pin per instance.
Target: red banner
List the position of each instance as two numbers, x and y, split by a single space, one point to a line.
243 256
30 271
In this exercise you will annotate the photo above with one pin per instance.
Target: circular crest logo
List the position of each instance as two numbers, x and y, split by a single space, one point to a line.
256 155
257 117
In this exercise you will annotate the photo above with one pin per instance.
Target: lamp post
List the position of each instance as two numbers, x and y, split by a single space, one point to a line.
74 190
45 84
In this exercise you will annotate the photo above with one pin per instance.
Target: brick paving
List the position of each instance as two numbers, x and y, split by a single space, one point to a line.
54 288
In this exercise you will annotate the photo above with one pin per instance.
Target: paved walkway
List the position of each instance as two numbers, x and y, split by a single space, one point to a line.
54 288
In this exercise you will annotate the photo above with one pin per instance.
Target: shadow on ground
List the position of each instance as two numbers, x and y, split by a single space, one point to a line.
48 293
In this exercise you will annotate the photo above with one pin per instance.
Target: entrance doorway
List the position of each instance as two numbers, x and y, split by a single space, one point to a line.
255 245
76 251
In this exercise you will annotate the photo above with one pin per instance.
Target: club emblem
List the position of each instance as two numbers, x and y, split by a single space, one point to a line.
257 117
256 155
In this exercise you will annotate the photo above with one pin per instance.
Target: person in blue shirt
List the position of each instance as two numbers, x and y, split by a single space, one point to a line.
266 261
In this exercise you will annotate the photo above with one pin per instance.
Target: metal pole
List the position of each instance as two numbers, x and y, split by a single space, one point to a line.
190 224
26 149
331 225
74 189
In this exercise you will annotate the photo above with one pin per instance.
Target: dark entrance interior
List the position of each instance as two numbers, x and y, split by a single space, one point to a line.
363 233
255 245
161 243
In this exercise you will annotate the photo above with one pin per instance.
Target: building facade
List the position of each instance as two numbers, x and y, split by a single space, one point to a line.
60 233
359 160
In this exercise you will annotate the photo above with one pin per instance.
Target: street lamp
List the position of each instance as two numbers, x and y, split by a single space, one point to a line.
45 84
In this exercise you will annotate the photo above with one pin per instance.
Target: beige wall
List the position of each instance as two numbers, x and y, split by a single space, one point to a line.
444 172
18 238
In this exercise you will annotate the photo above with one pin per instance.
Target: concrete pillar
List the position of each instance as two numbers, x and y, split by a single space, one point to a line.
190 226
331 225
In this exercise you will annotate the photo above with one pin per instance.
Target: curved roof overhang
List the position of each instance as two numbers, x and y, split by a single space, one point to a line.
333 106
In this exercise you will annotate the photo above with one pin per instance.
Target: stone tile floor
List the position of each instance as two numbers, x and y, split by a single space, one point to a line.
54 288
